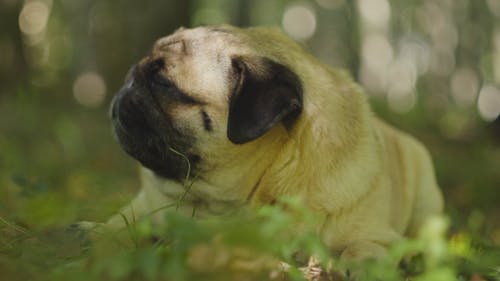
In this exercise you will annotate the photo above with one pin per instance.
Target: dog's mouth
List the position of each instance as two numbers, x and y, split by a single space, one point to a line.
145 133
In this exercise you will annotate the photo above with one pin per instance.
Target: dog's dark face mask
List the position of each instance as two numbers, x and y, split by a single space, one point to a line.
142 126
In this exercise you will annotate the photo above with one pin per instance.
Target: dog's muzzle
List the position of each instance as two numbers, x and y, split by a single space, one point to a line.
145 133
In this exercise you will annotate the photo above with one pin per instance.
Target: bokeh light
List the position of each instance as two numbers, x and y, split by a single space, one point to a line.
401 102
416 50
34 17
375 13
464 87
89 89
299 21
376 51
402 76
489 103
494 6
376 56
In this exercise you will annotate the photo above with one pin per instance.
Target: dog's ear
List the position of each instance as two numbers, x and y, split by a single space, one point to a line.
261 99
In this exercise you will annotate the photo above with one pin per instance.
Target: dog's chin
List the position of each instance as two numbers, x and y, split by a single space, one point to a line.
166 159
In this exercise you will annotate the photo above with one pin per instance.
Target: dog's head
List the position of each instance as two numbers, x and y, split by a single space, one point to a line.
203 92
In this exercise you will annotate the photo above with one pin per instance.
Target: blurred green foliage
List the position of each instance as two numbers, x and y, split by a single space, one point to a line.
243 247
431 67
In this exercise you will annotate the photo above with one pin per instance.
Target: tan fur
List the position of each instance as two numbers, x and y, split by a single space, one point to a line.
369 183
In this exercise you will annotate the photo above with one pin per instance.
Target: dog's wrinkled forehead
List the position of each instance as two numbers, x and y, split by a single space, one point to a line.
199 60
195 40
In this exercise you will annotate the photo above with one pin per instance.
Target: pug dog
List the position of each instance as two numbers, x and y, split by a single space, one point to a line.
225 118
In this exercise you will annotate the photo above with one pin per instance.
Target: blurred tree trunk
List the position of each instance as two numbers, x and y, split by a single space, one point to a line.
13 65
243 18
353 36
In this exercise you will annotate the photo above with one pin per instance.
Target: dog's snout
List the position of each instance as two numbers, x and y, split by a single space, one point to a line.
137 90
141 126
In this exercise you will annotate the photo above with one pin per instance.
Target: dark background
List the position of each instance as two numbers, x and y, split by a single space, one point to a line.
431 67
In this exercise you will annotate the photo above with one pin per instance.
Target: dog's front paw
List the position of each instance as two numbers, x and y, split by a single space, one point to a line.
85 231
82 226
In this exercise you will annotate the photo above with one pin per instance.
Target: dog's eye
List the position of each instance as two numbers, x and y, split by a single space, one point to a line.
164 86
167 88
159 80
153 71
207 122
156 65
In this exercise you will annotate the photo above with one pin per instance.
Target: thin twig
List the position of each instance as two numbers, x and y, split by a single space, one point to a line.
188 173
17 228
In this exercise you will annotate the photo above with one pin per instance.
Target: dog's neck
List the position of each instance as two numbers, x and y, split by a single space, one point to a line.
232 185
237 178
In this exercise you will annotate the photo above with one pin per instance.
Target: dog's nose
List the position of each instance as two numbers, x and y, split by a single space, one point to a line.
130 75
124 99
117 102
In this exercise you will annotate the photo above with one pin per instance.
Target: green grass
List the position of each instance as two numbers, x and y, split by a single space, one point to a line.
246 246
